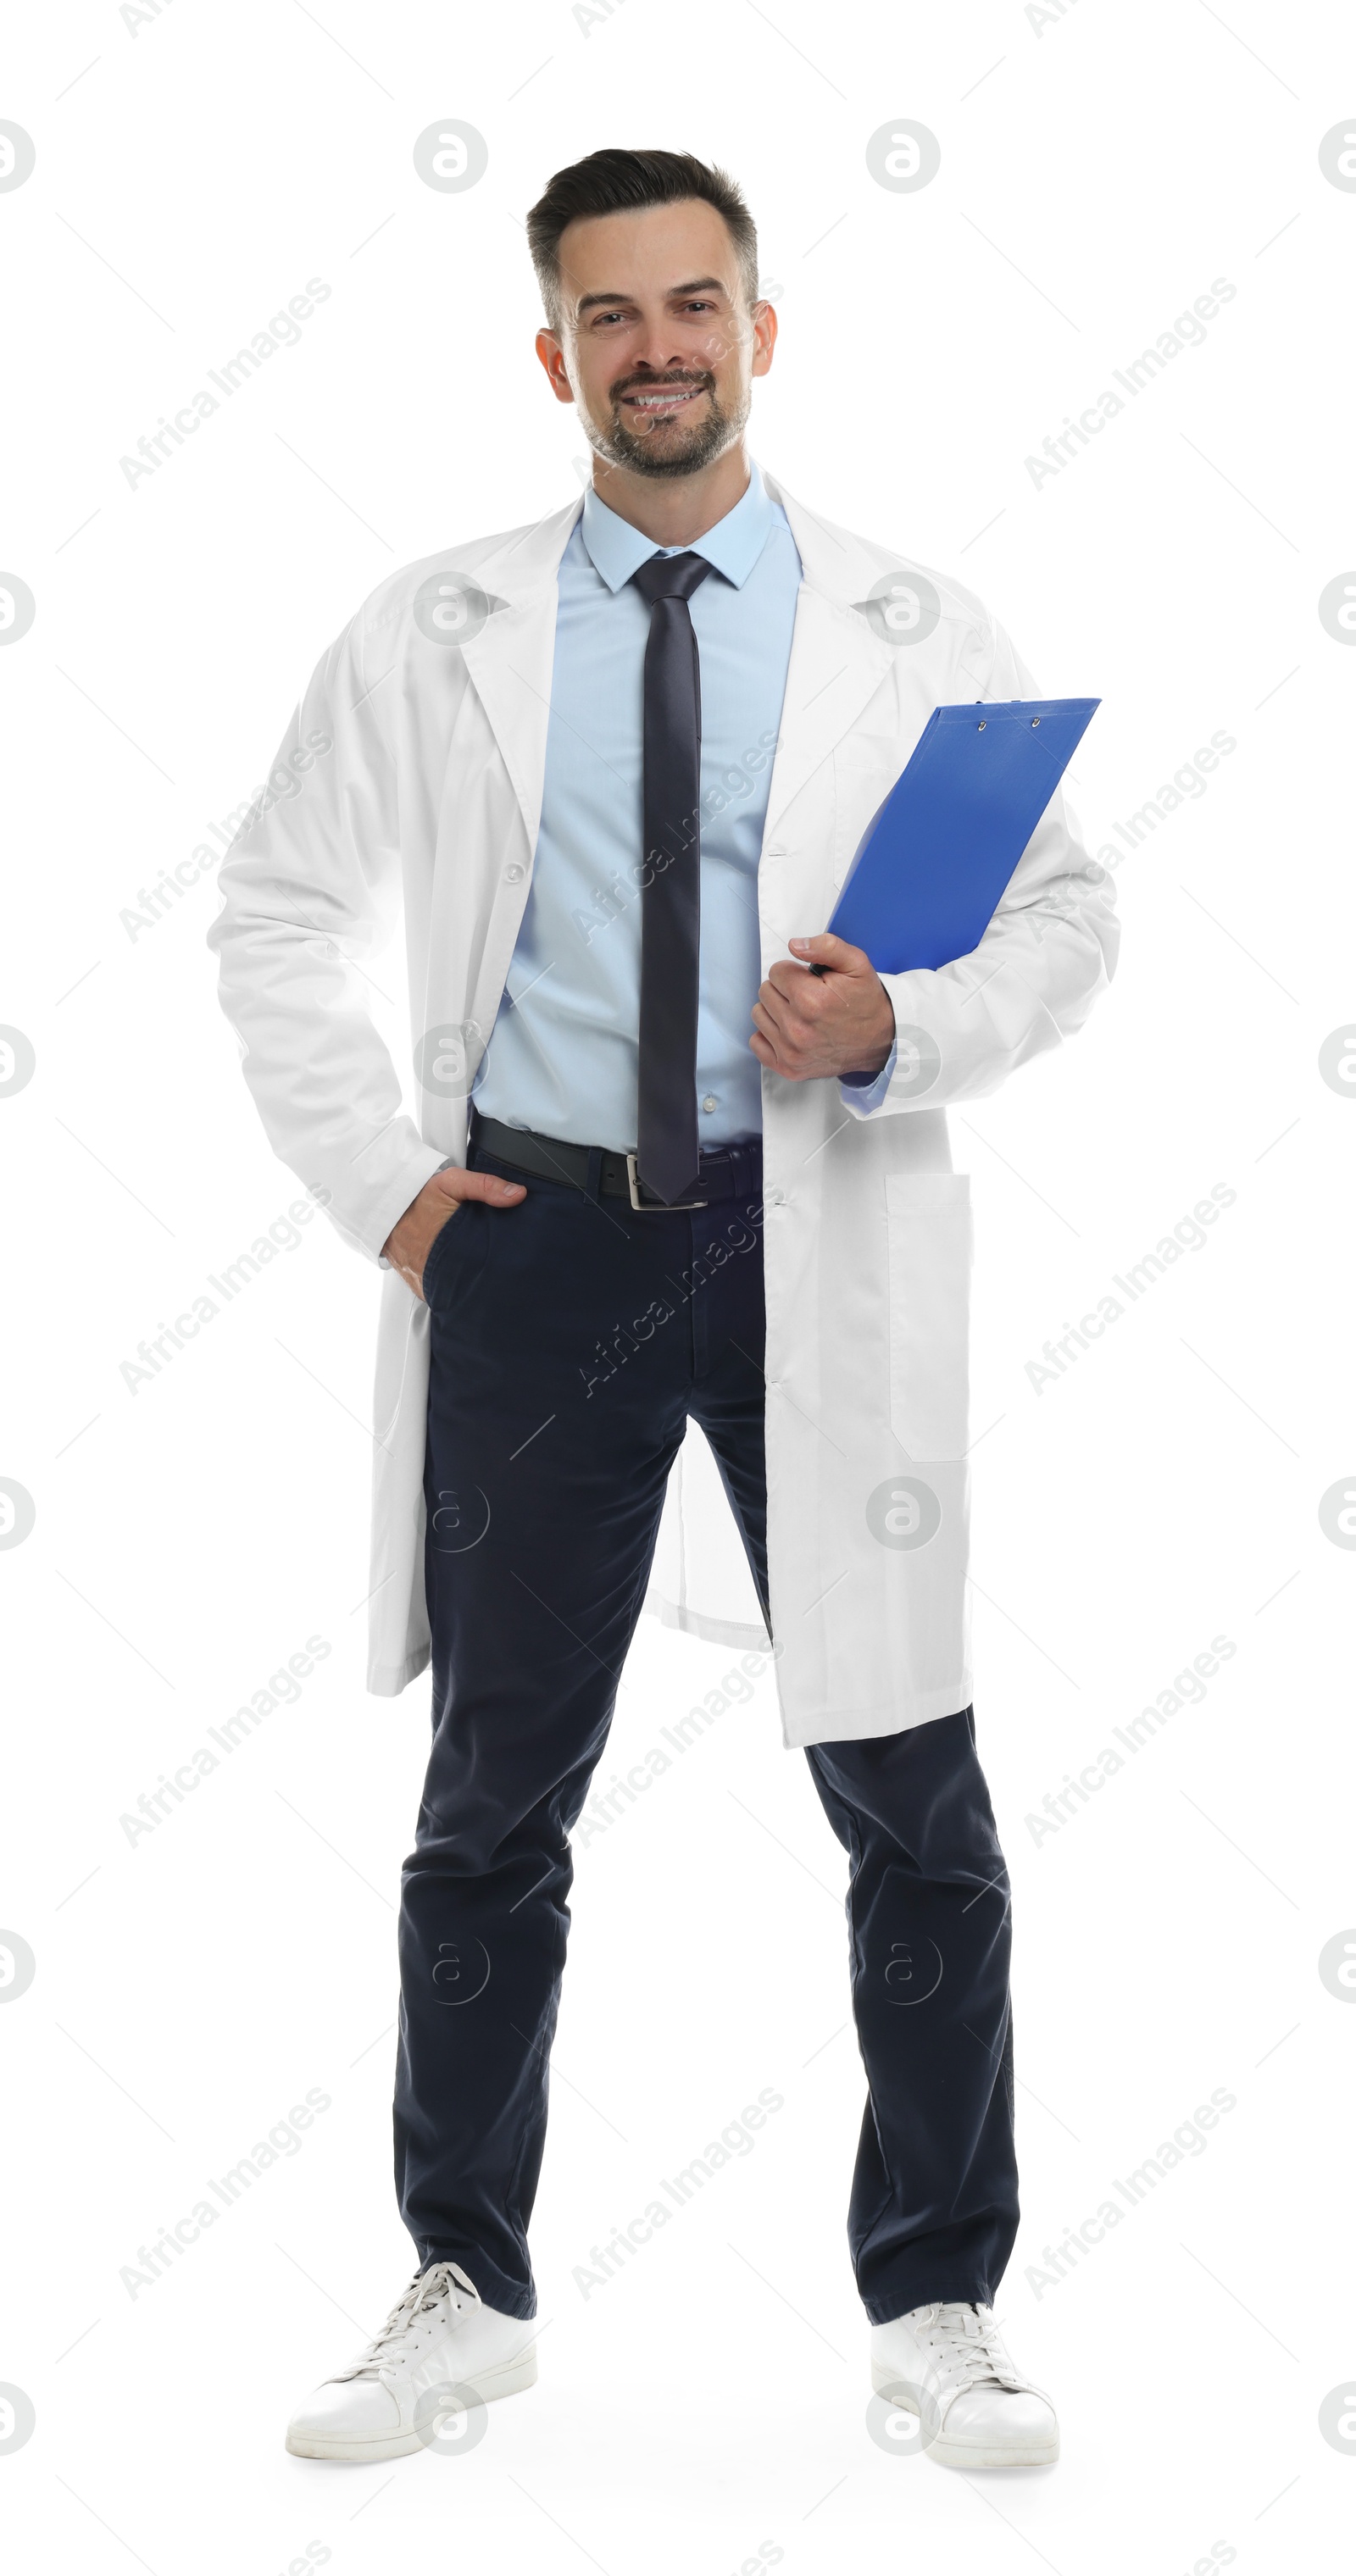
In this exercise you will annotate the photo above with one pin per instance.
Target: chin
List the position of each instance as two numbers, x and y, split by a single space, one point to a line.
672 451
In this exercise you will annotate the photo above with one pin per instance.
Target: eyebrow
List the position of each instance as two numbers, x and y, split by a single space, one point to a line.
696 286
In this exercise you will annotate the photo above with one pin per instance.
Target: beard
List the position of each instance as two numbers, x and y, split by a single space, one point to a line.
673 446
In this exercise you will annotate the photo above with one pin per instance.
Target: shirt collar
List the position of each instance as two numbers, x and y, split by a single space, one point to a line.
733 546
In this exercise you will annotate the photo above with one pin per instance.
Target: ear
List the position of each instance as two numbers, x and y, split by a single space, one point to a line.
552 355
764 338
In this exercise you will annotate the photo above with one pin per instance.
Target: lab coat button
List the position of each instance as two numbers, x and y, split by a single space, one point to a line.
513 872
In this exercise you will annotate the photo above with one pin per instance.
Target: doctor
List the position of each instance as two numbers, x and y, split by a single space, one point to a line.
667 1191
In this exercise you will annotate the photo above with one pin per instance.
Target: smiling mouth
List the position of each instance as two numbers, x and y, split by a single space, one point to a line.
661 402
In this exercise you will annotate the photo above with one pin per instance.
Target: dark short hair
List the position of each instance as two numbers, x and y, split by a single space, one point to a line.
611 183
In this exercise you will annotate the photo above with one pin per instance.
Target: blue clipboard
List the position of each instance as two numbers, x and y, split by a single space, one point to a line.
932 864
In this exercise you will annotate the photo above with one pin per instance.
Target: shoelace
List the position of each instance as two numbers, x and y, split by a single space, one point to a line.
968 2351
424 2293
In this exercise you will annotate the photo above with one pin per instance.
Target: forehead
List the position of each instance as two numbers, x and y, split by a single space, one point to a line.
647 252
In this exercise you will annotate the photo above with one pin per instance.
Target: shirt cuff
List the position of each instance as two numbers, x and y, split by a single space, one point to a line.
867 1093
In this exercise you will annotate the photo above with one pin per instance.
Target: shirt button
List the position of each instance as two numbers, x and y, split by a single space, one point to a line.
710 1101
513 872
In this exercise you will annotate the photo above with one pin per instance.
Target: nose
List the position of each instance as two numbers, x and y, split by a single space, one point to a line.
664 364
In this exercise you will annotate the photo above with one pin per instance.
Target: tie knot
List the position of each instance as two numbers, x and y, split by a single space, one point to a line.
670 576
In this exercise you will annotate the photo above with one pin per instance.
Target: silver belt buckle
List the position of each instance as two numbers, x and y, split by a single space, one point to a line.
646 1207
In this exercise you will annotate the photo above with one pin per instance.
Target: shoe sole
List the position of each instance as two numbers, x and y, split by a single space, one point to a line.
970 2455
504 2380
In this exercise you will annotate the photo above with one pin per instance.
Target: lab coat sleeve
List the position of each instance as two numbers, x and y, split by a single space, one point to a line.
1047 953
311 887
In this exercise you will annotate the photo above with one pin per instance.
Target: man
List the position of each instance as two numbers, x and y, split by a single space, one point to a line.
616 765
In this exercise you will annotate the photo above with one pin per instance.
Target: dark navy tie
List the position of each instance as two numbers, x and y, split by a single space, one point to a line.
670 919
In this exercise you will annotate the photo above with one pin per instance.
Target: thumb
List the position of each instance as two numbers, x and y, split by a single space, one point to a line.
824 949
459 1185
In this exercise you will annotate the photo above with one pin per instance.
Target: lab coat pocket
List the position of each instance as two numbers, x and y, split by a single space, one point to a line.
931 1248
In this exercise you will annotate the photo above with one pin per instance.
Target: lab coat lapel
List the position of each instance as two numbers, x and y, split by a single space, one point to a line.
837 664
510 659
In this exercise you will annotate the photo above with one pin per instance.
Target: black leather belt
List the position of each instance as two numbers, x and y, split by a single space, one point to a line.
729 1172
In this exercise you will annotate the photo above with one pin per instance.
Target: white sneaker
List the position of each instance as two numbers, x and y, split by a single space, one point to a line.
947 2364
440 2335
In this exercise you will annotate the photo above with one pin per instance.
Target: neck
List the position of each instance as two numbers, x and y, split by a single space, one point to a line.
675 511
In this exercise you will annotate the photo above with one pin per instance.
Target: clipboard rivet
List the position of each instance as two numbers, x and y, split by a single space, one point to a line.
982 723
1034 722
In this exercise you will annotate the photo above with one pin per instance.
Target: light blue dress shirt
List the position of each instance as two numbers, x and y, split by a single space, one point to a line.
563 1055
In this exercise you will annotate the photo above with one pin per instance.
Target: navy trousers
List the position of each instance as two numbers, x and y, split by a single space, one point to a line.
571 1340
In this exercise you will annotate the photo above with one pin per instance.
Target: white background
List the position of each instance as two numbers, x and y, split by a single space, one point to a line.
1098 172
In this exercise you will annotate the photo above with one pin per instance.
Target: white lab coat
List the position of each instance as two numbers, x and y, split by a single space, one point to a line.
419 780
